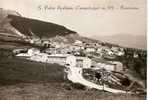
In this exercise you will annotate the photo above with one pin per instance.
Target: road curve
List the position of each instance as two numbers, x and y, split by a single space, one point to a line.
74 74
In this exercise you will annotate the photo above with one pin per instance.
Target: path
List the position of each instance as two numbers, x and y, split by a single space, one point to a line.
75 75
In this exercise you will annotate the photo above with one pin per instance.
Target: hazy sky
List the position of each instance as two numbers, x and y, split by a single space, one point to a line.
87 22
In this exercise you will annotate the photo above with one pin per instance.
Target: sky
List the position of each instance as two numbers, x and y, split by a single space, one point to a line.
87 22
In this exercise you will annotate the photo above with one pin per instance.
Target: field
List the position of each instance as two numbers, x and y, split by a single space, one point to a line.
26 80
55 91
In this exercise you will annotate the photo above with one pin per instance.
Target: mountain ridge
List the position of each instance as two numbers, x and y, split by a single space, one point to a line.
126 40
11 22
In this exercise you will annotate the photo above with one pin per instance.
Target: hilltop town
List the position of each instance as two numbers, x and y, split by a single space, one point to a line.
87 55
83 62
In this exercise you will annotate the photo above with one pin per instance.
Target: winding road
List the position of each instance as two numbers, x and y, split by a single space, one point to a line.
74 74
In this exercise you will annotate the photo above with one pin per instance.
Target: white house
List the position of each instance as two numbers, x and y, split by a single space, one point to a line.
17 51
78 42
115 49
75 47
90 49
100 63
99 50
86 62
110 52
46 43
62 59
33 51
135 55
41 57
107 66
120 53
118 65
71 60
83 62
51 50
30 52
111 66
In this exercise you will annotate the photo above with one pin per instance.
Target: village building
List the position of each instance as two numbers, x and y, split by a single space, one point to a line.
63 50
110 53
115 49
51 50
30 52
78 42
57 45
21 50
90 49
76 48
98 45
108 65
46 43
61 59
99 50
83 62
104 49
118 65
33 40
33 51
41 57
119 53
135 55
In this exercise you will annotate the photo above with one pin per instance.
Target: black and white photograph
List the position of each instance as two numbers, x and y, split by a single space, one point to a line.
73 50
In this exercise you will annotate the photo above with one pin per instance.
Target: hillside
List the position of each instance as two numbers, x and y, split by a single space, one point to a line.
16 70
14 29
12 23
39 28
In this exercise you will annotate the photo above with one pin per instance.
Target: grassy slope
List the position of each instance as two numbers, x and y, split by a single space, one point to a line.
39 28
55 91
13 71
25 80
